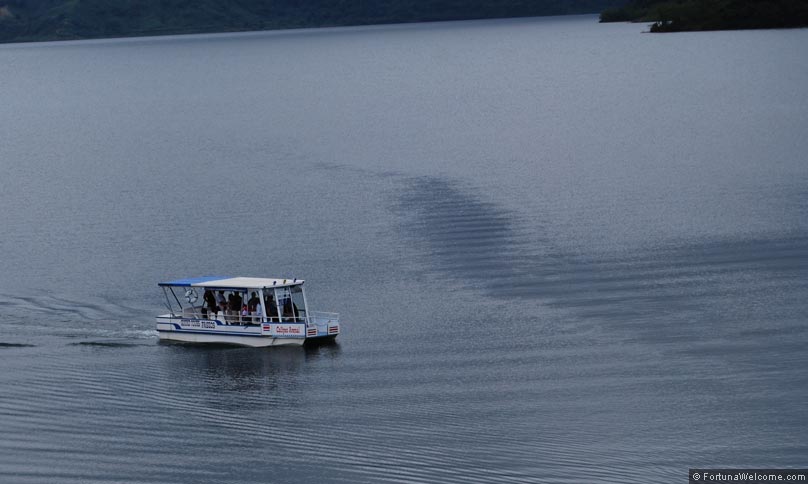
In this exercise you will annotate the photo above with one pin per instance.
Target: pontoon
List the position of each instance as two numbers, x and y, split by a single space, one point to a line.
246 311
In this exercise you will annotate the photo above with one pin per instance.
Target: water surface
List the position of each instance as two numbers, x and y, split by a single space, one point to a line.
562 252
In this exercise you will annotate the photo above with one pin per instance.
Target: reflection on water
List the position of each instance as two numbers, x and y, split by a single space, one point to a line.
226 375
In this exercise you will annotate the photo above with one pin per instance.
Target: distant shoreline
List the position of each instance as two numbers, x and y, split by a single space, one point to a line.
701 15
307 30
57 20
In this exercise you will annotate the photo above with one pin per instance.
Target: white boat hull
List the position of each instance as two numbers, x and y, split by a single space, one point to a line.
195 330
253 341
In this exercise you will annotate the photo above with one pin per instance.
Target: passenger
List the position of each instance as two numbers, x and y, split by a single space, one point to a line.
245 315
257 315
253 303
222 301
210 301
224 307
233 307
288 310
239 301
272 309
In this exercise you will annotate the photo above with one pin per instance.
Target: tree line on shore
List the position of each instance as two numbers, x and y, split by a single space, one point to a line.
33 20
690 15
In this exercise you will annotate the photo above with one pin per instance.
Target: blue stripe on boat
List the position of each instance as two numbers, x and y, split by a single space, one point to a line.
192 280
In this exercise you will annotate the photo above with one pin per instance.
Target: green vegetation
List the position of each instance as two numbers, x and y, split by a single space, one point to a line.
681 15
32 20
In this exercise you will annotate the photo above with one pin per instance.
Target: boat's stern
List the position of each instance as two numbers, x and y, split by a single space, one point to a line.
322 325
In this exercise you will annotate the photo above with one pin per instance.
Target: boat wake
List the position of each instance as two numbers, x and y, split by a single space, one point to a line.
43 317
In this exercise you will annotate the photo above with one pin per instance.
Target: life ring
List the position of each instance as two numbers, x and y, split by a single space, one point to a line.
191 296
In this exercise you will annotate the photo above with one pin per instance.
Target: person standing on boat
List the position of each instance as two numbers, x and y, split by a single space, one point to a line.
290 310
252 307
210 301
232 308
253 303
222 301
272 309
234 305
238 304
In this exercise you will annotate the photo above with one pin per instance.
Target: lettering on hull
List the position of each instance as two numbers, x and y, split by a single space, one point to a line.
197 324
284 330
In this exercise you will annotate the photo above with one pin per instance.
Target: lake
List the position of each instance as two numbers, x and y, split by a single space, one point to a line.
561 251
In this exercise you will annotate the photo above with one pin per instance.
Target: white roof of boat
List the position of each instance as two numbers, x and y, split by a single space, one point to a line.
234 282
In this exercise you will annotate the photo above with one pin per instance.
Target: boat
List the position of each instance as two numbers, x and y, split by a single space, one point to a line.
246 311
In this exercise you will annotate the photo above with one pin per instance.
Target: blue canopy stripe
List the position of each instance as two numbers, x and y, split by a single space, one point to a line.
193 280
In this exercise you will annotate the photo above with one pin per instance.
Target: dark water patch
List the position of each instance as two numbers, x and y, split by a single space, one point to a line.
15 345
728 301
105 344
464 236
476 241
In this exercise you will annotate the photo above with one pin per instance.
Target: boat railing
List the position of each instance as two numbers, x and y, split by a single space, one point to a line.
321 317
236 317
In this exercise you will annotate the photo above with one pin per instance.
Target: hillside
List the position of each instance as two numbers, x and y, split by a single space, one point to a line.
686 15
33 20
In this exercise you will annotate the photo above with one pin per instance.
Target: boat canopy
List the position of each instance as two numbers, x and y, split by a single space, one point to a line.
223 282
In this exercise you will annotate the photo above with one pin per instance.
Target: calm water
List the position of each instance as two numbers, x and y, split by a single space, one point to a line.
562 252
